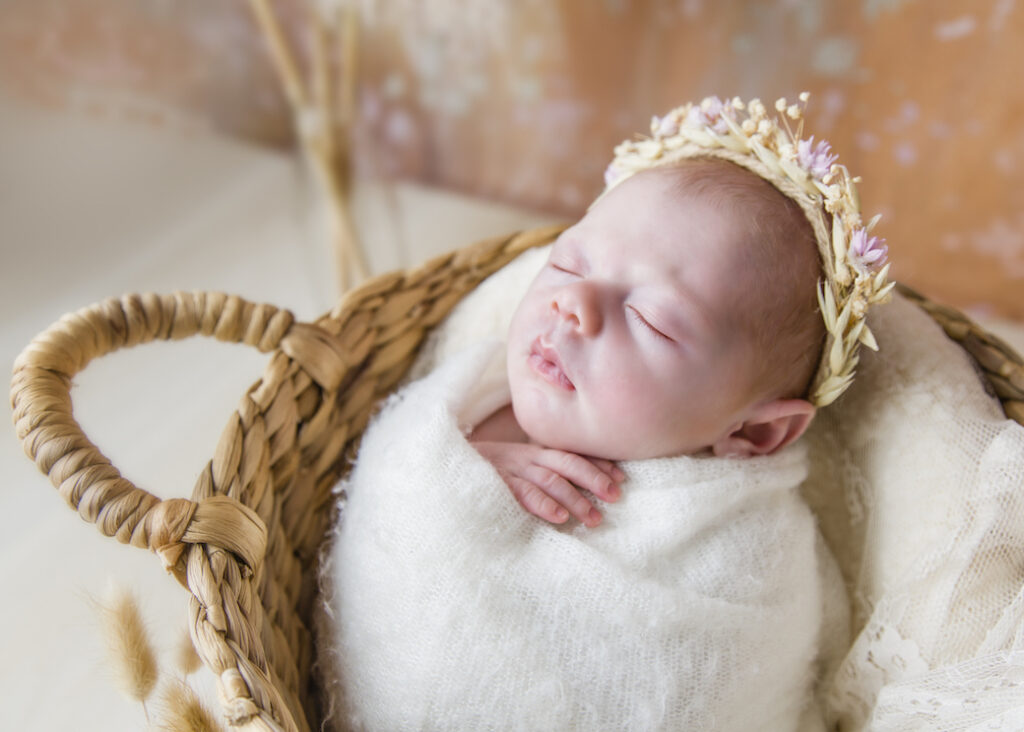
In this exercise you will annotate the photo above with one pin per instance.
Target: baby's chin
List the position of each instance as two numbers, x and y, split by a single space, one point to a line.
608 447
543 432
540 428
558 439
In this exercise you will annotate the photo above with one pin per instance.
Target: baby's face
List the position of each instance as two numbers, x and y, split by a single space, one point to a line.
629 343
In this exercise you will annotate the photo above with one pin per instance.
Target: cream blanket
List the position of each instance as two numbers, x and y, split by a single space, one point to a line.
695 605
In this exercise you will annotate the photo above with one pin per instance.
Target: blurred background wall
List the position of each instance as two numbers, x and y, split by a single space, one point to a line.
522 101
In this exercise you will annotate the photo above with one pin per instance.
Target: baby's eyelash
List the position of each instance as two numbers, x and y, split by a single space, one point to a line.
636 314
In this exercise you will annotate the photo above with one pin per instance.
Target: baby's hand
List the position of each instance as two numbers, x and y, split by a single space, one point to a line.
546 481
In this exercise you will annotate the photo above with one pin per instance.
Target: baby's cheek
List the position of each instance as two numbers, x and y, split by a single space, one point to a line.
648 409
543 422
626 411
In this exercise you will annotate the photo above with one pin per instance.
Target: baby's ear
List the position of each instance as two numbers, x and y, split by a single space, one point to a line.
769 428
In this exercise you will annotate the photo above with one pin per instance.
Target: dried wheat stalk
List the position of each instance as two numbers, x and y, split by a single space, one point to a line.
323 137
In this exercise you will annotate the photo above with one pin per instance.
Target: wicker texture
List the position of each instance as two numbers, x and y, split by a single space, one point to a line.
246 544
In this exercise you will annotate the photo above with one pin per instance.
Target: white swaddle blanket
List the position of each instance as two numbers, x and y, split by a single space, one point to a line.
694 605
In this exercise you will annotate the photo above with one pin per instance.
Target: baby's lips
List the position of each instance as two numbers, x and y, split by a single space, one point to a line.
546 359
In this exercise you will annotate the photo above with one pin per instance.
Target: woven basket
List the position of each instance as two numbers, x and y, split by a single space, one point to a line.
246 545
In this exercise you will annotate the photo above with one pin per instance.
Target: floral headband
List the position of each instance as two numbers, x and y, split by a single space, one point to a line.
853 261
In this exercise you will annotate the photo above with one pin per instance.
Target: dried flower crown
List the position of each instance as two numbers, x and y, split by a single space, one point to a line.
853 261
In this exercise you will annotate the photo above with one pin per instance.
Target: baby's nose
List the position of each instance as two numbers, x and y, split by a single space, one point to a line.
579 305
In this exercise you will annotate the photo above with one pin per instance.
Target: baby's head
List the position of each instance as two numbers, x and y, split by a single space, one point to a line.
679 310
680 314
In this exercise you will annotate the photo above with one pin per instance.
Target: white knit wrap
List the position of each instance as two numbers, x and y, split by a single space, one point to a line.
917 481
694 605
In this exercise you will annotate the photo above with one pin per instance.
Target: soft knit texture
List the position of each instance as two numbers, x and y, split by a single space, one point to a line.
917 481
694 605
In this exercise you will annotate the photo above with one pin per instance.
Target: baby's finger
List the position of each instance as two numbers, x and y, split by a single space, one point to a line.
564 493
582 472
536 501
609 468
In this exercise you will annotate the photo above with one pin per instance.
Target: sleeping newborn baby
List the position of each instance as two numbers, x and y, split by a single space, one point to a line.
598 526
677 317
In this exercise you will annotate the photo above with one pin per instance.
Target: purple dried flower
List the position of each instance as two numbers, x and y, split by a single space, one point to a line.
611 174
709 114
664 126
867 253
815 159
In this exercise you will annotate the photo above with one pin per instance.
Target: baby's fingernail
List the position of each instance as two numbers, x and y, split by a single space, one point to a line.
614 491
617 473
561 515
593 518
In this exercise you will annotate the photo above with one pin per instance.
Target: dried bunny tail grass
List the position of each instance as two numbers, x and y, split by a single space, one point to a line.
184 711
186 660
128 645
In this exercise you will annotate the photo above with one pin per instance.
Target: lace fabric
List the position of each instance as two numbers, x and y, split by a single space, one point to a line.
918 483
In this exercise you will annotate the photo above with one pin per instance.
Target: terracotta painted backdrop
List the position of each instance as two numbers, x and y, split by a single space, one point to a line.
523 100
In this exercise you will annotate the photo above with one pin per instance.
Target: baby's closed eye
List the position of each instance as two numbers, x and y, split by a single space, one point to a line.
564 268
647 322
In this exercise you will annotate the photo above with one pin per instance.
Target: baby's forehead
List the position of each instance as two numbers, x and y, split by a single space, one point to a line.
714 185
772 223
775 260
720 183
722 210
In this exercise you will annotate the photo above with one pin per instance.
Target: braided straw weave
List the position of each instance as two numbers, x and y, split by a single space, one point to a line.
246 544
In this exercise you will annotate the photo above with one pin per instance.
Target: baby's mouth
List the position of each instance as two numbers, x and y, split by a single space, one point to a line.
545 362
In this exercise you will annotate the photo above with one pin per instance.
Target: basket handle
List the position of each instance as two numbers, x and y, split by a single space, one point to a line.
41 401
